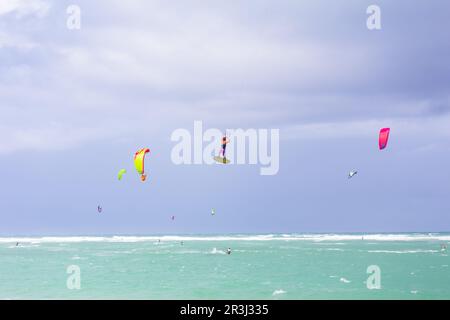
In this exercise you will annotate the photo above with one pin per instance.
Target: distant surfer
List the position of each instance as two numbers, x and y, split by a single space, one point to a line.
228 251
17 244
225 141
182 243
443 247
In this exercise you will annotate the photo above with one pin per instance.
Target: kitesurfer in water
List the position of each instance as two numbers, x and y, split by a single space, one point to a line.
225 141
228 251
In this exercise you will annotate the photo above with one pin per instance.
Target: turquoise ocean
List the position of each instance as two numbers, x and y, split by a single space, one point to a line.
269 266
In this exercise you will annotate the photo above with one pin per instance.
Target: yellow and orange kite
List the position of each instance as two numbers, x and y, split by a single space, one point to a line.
139 158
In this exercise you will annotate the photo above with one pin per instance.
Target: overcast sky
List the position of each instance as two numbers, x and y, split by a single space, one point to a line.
76 104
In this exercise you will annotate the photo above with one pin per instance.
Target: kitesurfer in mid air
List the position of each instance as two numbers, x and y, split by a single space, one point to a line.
225 141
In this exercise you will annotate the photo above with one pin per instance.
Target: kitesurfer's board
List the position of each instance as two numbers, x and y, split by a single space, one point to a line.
221 160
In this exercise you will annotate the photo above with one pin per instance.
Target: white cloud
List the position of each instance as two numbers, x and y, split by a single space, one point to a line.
430 129
16 41
197 60
53 137
21 8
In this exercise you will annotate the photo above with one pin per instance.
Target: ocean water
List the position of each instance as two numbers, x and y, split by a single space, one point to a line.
293 266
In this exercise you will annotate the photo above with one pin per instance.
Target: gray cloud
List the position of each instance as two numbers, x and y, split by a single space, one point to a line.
252 63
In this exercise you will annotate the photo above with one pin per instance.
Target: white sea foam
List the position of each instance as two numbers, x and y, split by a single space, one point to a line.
77 258
29 245
215 251
188 252
403 251
344 280
264 237
277 292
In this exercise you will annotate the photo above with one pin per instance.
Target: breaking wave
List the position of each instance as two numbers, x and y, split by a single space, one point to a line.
263 237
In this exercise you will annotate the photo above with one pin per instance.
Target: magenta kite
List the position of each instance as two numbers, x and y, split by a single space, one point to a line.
384 137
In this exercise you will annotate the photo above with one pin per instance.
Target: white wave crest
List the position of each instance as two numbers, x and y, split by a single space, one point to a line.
278 292
403 251
263 237
215 251
344 280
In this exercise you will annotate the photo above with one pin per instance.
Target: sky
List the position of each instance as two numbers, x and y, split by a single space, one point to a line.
75 104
